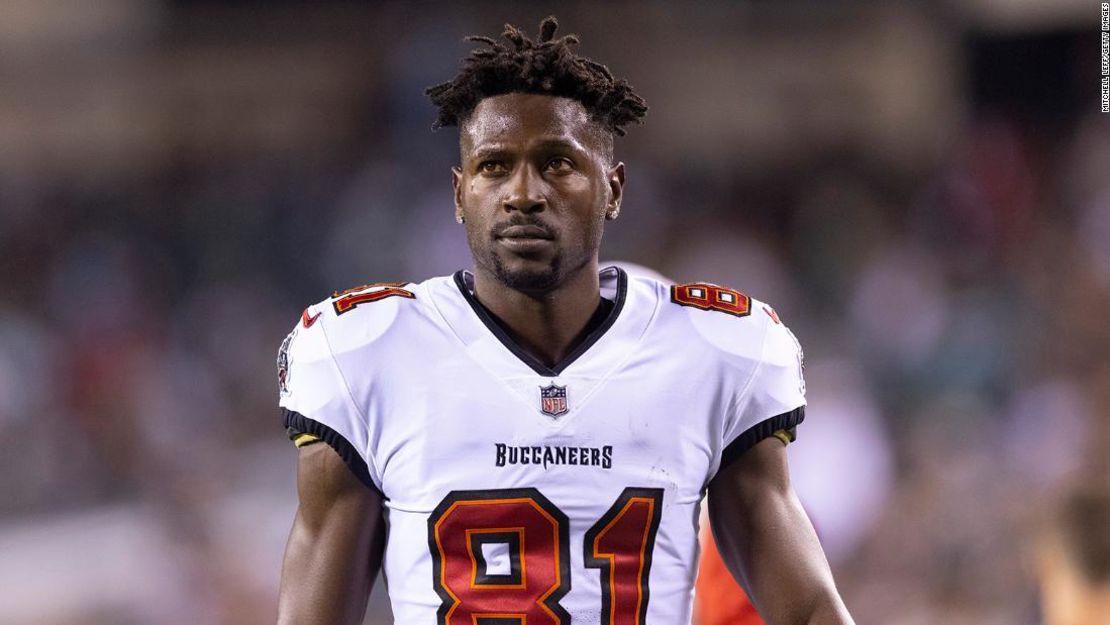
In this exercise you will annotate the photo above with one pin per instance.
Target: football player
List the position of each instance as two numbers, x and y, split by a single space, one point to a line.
528 441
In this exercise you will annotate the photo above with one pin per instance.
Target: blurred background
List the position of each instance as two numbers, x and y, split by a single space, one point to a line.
920 189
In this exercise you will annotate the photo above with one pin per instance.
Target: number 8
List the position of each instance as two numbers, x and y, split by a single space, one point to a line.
539 571
712 297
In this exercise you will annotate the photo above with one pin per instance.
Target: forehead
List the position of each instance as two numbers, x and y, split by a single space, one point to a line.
519 117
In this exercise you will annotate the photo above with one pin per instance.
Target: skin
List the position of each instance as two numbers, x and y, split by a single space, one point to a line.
539 162
530 159
768 543
1067 596
321 582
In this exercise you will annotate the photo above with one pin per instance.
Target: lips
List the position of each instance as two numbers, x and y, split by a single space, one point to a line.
524 232
527 240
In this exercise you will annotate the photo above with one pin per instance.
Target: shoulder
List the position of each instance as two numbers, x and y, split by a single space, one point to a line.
353 318
366 313
728 321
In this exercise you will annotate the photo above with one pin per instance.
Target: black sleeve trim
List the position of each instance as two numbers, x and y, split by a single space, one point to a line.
763 429
297 423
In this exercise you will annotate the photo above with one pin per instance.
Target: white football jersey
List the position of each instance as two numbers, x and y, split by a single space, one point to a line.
520 493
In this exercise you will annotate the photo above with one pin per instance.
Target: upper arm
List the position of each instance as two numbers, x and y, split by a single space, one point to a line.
767 541
753 487
335 546
334 549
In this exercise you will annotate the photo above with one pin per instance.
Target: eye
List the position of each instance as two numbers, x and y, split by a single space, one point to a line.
559 165
491 167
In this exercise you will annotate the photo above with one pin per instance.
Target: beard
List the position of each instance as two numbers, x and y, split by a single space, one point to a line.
535 273
529 280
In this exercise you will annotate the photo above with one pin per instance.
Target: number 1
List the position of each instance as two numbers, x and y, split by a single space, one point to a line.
621 544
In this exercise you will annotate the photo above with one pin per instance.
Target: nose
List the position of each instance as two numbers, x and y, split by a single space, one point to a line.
524 191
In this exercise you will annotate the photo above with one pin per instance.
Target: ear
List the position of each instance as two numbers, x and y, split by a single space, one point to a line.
456 184
616 191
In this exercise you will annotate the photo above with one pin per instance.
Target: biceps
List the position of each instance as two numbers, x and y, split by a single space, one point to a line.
756 517
334 548
329 492
756 527
764 535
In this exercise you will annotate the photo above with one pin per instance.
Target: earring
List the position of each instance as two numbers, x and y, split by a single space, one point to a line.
459 218
611 215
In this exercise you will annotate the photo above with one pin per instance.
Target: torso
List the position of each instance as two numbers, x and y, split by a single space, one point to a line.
505 500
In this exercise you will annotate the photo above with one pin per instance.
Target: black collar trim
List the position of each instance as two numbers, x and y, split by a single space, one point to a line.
537 366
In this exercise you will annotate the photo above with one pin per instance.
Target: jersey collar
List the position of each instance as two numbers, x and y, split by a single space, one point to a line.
614 282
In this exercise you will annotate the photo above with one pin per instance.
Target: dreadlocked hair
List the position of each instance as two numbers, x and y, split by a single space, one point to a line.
546 66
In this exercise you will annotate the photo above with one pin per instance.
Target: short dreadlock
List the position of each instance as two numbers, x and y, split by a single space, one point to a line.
548 67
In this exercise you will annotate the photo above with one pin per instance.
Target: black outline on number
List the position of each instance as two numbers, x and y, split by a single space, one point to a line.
563 548
481 573
655 494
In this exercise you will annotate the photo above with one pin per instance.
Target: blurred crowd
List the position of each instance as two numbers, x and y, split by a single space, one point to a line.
950 289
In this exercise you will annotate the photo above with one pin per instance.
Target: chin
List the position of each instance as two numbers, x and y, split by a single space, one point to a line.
528 276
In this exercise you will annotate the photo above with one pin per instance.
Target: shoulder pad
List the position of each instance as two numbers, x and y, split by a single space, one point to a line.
360 314
726 318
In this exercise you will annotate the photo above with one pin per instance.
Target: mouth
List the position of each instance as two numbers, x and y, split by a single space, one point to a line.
529 232
525 239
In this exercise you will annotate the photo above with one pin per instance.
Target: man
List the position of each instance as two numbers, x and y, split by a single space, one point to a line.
1073 561
528 443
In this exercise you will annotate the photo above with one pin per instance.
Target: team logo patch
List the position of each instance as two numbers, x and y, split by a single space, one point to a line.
801 363
283 364
553 400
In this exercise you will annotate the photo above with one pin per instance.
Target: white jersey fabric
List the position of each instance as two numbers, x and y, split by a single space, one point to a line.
520 493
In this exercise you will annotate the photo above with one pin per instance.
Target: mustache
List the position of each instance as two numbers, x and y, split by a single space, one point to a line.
518 220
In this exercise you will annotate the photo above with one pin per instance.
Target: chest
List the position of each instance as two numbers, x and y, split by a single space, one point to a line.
650 423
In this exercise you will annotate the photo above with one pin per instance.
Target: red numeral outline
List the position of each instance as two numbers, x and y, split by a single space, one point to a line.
712 297
621 544
540 567
347 300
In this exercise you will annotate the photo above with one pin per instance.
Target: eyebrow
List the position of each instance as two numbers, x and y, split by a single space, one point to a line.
563 144
487 151
552 143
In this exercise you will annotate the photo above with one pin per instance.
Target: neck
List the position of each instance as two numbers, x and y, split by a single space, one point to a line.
549 324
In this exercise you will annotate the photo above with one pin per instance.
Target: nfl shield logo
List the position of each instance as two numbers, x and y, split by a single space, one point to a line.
553 400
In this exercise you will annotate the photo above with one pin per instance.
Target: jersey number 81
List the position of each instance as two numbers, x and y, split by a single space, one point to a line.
534 534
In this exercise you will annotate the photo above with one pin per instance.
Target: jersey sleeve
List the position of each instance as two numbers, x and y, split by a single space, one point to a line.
315 400
773 401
